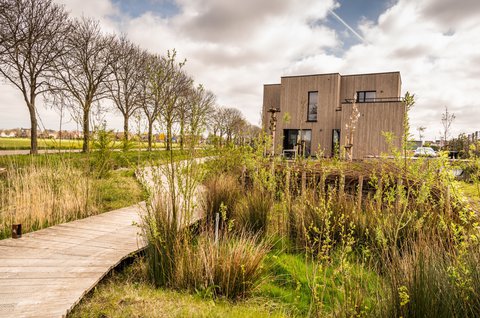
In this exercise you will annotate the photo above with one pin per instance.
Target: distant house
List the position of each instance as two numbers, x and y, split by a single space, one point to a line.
48 134
316 113
7 133
24 133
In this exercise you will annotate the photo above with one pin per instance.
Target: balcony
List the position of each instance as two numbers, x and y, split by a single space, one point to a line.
374 100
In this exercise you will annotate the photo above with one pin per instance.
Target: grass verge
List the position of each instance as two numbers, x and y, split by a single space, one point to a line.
129 294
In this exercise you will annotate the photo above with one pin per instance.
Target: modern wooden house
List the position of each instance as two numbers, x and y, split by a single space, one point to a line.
326 114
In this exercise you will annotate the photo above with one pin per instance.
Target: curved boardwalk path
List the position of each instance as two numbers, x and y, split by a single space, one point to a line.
47 272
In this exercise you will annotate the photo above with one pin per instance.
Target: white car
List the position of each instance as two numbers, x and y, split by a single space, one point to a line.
425 152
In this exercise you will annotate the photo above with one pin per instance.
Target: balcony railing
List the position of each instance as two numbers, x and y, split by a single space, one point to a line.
374 100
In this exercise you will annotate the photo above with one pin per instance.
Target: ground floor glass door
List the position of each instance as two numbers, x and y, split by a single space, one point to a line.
297 142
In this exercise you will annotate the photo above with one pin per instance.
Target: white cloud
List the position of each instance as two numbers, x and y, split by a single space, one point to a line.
234 47
440 67
101 10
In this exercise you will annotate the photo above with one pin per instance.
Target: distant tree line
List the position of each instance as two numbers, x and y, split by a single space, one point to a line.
71 62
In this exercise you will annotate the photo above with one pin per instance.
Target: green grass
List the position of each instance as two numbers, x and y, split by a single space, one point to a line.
119 159
120 189
289 281
127 294
470 192
284 292
24 144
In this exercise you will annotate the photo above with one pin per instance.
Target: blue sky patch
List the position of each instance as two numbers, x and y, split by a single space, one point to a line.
136 8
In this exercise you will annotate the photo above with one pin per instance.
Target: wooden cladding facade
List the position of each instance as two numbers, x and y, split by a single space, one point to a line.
385 114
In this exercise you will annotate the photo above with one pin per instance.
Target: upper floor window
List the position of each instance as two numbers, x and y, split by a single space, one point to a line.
366 96
312 106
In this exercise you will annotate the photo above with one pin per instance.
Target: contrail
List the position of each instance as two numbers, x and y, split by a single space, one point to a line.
348 27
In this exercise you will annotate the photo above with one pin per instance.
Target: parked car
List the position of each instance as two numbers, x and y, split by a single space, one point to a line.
425 152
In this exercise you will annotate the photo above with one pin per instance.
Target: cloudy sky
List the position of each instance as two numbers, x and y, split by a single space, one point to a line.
234 47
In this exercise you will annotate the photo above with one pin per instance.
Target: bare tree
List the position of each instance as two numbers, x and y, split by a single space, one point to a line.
447 120
216 123
124 88
182 108
31 40
82 74
172 92
199 112
150 103
233 123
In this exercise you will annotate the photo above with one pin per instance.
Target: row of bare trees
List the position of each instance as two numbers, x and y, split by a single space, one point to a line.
44 52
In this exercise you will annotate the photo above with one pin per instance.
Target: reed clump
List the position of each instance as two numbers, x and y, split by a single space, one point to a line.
39 195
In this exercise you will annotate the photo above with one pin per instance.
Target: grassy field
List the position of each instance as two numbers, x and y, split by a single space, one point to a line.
24 144
119 159
44 190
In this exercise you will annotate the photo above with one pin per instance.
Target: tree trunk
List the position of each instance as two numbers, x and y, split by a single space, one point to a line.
86 130
150 134
33 130
182 133
168 137
125 129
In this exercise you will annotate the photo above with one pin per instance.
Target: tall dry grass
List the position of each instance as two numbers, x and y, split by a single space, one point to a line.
220 196
229 268
181 258
38 196
253 211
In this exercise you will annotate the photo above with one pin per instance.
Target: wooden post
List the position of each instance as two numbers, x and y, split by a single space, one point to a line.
341 187
379 194
304 181
287 182
322 185
360 191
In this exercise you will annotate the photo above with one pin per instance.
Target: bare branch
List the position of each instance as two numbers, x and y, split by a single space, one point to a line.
31 40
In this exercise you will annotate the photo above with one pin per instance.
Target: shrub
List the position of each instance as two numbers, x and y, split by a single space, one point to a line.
103 144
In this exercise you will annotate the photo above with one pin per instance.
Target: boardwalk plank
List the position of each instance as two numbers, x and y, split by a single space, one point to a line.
46 273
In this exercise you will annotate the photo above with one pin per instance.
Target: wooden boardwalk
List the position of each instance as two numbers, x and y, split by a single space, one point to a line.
47 272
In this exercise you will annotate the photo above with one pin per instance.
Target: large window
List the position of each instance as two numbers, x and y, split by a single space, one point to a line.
297 142
366 96
312 106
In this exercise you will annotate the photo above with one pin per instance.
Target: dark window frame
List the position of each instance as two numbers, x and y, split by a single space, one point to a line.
364 97
308 107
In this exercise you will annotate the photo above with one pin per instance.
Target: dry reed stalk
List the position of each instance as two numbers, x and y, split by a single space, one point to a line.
40 196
